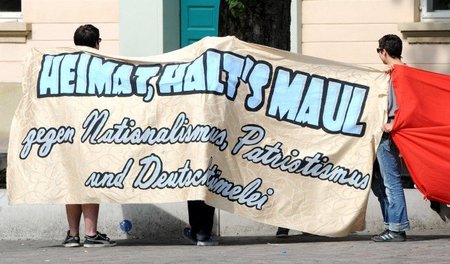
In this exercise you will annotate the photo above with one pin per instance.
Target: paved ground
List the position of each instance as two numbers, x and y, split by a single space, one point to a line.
421 247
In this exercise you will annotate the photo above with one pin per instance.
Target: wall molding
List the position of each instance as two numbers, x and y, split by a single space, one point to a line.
14 32
426 32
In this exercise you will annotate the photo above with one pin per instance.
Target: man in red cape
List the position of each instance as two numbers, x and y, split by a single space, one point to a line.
386 181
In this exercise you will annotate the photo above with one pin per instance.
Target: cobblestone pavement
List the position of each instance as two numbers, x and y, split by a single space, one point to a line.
421 247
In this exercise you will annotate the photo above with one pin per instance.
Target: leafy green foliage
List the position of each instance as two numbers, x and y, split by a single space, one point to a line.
237 7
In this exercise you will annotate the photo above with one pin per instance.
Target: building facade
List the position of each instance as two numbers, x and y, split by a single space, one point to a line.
344 30
341 30
349 30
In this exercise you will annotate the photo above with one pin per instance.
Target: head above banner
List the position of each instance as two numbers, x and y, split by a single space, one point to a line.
87 35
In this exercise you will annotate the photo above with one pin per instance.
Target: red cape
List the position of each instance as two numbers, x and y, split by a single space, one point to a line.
422 128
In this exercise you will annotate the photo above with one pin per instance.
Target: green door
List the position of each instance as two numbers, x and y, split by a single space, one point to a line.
199 18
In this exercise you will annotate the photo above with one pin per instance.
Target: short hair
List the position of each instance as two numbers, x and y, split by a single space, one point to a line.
392 44
86 35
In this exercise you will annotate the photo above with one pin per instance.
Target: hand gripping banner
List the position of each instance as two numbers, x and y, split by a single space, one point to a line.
277 137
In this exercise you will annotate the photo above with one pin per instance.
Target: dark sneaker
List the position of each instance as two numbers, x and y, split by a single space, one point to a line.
208 242
99 240
282 232
188 235
71 241
390 236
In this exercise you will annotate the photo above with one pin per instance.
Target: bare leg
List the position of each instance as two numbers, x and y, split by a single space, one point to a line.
90 213
73 212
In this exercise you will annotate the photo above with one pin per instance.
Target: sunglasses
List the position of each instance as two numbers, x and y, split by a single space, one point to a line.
379 50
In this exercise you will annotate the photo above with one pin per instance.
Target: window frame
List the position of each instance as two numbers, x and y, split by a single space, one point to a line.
11 15
428 15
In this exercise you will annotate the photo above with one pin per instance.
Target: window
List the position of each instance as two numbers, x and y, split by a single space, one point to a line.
435 10
10 9
16 31
432 25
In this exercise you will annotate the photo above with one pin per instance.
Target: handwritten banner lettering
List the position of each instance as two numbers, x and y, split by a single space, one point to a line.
277 137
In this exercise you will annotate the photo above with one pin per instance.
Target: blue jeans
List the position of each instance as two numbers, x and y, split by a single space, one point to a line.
387 187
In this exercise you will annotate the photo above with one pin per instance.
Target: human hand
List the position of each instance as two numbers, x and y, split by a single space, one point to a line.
387 127
388 68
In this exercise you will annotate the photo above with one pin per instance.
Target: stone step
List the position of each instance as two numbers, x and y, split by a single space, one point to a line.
158 221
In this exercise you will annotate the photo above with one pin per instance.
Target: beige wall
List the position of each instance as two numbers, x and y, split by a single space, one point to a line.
52 25
342 30
348 31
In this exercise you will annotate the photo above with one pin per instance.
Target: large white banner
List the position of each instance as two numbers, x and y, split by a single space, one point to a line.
277 137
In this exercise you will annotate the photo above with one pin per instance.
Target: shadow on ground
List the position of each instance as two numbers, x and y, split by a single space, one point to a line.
258 240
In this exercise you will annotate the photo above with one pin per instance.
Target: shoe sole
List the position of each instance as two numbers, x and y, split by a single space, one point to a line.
207 244
389 240
69 245
99 245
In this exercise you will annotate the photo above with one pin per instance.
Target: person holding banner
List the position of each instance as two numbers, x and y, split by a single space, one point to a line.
201 219
386 182
85 35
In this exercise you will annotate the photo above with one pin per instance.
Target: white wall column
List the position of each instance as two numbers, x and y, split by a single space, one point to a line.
296 26
148 27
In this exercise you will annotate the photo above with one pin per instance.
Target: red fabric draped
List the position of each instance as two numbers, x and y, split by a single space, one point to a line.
422 128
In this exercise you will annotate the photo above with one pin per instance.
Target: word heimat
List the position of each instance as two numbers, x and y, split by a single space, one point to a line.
296 97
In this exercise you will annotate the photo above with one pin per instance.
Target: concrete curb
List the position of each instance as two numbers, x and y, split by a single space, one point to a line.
165 221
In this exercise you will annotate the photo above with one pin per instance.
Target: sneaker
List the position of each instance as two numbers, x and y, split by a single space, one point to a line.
208 242
187 234
71 241
99 240
282 232
439 209
390 236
